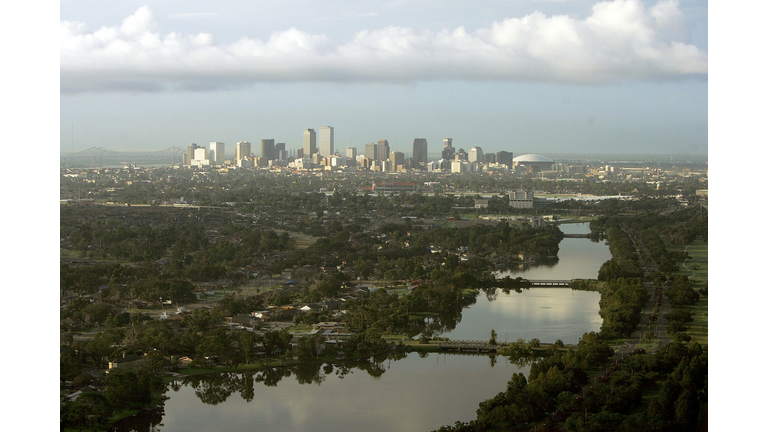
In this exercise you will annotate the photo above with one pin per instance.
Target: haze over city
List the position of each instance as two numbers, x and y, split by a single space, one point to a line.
616 77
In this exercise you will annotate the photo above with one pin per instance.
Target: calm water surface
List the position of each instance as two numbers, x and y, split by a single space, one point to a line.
579 258
412 394
548 314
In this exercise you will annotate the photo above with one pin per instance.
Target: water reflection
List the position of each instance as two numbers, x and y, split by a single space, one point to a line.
216 388
405 392
544 313
577 258
144 421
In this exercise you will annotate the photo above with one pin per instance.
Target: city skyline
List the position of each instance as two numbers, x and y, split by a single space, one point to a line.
528 77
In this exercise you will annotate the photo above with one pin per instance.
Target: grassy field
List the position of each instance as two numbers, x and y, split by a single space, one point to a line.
698 269
699 328
696 266
303 241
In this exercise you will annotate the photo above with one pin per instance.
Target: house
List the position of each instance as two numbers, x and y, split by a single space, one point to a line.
127 362
245 320
264 315
311 307
331 304
72 323
184 361
329 325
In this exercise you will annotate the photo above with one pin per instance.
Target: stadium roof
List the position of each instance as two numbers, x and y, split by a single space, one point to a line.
532 158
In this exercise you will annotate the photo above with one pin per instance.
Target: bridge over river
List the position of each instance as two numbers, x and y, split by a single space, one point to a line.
99 156
470 346
550 283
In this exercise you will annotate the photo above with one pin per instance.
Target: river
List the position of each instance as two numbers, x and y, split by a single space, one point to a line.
547 314
411 393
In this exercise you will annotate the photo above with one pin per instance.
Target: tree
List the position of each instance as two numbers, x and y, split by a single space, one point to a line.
89 410
128 389
492 341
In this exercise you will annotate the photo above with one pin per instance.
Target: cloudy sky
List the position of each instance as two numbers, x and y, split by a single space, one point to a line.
551 77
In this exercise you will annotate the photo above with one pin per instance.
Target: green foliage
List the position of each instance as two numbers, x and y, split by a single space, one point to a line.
130 389
367 342
621 302
680 292
90 410
492 340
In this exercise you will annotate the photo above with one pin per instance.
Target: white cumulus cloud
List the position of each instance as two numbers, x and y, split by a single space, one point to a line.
620 39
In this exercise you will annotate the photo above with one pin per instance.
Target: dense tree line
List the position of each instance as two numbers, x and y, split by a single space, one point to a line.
551 386
678 374
621 302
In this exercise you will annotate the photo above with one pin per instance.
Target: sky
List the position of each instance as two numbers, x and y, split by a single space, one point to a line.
579 76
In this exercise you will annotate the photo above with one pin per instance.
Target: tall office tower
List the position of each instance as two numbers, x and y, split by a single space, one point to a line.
370 151
461 155
397 158
267 148
325 141
476 154
382 150
191 153
448 150
201 154
216 153
351 156
310 142
489 158
279 152
505 157
420 151
242 150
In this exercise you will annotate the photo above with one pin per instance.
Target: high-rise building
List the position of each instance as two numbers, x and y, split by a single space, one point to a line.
397 159
420 151
461 155
382 150
310 143
279 152
216 153
370 151
201 153
200 157
505 157
475 154
448 150
190 153
325 141
242 150
267 148
351 155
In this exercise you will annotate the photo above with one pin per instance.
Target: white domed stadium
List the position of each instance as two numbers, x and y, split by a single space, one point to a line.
532 163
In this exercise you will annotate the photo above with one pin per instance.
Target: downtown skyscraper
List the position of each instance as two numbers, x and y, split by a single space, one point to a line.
242 150
216 153
325 144
310 143
420 151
